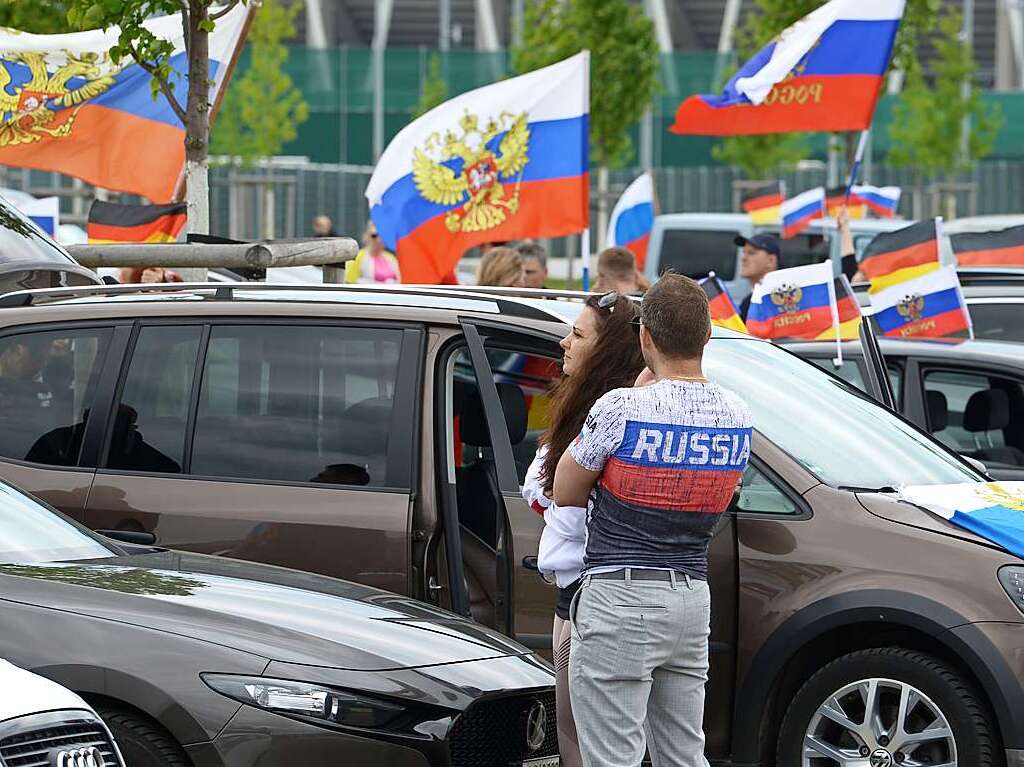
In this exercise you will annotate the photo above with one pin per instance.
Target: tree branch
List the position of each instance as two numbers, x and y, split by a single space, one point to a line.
164 86
185 29
223 11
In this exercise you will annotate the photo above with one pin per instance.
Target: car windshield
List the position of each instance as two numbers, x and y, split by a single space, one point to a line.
999 322
21 240
30 532
836 432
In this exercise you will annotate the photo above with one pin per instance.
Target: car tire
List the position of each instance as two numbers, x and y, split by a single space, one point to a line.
142 742
937 689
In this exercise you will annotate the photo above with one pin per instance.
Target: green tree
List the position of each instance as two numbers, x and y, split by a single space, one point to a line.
764 155
153 54
433 89
928 120
36 16
262 110
623 69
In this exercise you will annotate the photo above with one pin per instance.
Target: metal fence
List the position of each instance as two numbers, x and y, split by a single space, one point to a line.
280 198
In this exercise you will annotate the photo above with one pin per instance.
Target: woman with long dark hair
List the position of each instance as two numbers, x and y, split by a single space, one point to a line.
601 353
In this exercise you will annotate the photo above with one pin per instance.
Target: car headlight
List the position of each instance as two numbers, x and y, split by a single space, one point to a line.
309 700
1012 579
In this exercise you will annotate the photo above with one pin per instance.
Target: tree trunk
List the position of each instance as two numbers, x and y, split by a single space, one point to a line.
197 129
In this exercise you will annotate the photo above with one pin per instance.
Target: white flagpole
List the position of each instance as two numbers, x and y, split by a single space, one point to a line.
834 306
857 159
585 254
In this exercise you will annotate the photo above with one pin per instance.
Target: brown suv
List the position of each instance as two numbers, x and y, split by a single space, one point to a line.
381 436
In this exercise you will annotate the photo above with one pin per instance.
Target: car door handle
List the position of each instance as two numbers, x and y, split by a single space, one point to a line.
530 563
141 538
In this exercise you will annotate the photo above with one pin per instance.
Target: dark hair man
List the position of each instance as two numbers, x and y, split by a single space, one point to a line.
761 254
666 458
535 264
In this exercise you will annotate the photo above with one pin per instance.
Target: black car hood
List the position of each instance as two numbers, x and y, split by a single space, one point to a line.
279 614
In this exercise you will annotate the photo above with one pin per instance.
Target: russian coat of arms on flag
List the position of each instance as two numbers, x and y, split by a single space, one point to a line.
502 162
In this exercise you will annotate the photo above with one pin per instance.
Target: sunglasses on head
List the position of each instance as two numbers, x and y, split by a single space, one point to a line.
608 301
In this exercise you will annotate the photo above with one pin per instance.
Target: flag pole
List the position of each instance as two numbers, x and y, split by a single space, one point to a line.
858 157
834 306
585 255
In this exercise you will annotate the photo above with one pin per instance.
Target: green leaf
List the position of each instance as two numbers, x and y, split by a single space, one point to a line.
207 25
96 15
113 7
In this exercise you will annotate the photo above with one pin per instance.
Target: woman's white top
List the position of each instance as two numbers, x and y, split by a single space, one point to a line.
564 540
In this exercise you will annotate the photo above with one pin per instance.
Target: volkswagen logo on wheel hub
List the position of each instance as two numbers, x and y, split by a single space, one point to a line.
880 758
78 757
536 726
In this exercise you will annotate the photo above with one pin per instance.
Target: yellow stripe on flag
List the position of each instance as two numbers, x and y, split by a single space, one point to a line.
732 323
765 216
902 275
848 331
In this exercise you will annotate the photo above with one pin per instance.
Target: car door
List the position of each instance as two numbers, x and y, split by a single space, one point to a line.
54 388
975 410
290 443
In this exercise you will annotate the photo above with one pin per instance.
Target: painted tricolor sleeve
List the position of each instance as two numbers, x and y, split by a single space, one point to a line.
602 433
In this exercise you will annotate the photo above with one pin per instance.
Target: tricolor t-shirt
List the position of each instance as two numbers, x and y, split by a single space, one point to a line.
671 455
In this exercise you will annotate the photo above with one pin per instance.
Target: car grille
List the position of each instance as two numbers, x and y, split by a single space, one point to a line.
33 748
493 733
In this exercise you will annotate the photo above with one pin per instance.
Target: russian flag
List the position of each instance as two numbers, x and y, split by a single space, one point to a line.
502 162
882 200
991 510
45 213
823 73
849 313
103 124
798 212
633 218
795 302
1002 248
930 306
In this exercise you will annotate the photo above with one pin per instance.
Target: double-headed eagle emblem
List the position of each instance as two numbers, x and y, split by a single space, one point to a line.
998 495
787 297
469 171
911 306
46 104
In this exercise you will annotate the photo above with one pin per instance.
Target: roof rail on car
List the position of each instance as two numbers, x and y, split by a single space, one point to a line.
225 291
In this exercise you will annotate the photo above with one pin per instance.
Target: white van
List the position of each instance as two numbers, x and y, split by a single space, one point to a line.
697 243
44 723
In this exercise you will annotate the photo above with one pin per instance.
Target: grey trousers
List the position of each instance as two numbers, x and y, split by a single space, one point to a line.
637 668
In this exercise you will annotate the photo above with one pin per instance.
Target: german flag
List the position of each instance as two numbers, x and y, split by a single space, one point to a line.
723 310
1002 248
835 198
762 203
110 222
902 255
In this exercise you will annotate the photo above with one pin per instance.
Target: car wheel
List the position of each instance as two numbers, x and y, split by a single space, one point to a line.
142 742
886 707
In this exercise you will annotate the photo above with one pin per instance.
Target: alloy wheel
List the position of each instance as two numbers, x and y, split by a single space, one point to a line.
879 723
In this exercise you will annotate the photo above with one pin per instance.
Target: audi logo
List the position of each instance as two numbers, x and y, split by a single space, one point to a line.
78 757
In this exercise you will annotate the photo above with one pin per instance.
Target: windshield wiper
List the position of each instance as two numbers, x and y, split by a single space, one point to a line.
855 489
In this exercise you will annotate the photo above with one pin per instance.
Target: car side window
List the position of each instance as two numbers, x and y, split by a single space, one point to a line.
297 404
850 371
47 386
695 252
977 414
152 415
760 495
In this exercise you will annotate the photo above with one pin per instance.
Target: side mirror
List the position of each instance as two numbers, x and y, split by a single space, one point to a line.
140 538
976 464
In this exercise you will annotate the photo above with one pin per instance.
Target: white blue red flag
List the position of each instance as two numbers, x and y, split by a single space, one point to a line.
498 163
66 107
44 212
633 218
991 510
882 200
795 302
823 73
929 306
798 212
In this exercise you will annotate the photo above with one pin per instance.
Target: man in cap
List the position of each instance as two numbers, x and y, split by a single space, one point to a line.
761 254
